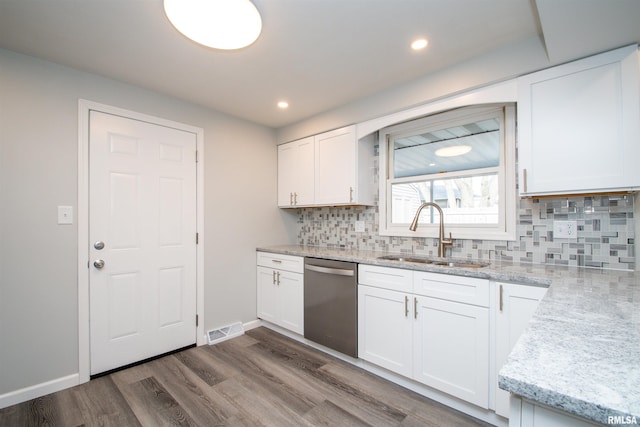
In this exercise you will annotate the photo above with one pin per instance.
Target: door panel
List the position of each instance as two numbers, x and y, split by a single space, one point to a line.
142 205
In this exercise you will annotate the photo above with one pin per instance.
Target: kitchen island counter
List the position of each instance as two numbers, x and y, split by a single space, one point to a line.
581 351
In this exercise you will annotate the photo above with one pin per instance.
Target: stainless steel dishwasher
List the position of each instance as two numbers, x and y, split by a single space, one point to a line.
331 304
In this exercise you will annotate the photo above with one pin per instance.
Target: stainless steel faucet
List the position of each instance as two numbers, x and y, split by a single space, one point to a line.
442 243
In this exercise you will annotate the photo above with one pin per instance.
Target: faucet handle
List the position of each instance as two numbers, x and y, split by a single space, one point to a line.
448 241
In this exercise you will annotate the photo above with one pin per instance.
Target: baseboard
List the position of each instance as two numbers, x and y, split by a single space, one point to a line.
38 390
253 324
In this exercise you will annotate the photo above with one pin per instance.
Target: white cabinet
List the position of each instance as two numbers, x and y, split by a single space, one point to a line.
296 176
528 414
329 169
385 324
513 309
344 168
281 290
451 348
579 126
421 325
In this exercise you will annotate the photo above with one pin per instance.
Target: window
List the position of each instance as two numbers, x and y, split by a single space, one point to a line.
463 160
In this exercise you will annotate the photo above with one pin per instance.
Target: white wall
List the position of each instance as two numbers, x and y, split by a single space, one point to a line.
38 171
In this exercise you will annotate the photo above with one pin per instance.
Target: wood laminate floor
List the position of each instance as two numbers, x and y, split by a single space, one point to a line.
259 379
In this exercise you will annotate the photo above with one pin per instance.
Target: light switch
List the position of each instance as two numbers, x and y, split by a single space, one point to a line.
359 226
65 214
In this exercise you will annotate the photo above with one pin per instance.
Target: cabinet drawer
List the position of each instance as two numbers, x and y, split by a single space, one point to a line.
281 262
468 290
395 279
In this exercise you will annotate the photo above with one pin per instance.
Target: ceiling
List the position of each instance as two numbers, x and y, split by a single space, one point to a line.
316 54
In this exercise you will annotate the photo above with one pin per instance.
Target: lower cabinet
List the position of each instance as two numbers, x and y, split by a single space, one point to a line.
443 344
385 329
451 348
528 414
513 309
280 290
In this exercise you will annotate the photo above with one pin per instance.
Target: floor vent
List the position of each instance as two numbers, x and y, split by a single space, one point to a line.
215 336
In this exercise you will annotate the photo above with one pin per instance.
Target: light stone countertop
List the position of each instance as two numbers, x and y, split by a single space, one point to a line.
581 350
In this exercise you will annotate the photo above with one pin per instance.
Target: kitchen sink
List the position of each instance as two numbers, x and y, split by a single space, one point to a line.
442 262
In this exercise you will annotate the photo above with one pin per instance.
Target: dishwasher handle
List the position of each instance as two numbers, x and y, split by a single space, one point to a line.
327 270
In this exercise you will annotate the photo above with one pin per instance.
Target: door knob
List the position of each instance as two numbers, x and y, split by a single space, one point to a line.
98 245
98 264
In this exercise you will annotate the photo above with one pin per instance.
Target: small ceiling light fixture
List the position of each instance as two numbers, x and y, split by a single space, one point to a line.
283 104
452 151
419 44
220 24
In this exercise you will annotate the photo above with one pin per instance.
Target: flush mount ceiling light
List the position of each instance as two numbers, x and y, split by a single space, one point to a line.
283 105
454 150
220 24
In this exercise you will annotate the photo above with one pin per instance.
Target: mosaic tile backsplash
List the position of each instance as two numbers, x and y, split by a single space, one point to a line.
605 237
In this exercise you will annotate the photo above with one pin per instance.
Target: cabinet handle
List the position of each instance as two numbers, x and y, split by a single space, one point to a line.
278 278
406 306
415 307
501 299
277 261
274 277
295 199
524 179
350 194
291 199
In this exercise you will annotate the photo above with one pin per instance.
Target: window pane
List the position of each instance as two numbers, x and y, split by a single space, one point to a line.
471 146
465 200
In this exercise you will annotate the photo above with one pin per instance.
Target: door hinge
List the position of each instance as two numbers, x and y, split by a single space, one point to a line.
197 156
196 320
197 238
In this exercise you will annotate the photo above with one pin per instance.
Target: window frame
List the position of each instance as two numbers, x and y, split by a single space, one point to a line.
506 227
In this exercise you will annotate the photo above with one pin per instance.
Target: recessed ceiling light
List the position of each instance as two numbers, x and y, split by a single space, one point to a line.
283 104
419 44
454 150
220 24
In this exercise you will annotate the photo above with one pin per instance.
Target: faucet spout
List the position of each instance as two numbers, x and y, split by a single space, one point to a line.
442 243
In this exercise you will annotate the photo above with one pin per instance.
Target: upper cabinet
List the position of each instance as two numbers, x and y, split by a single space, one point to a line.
579 126
296 177
335 166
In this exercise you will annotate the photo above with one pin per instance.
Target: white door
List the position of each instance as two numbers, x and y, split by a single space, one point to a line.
335 162
514 309
385 328
451 348
142 206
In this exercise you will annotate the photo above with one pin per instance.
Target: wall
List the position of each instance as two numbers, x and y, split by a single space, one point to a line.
38 171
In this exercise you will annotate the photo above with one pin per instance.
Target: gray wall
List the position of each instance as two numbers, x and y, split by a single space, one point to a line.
38 171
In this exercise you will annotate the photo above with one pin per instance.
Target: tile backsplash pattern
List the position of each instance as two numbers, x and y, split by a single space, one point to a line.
605 237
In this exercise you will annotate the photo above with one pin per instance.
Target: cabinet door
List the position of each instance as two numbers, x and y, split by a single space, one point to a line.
579 126
296 173
286 173
335 161
267 294
451 348
384 329
291 301
514 308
